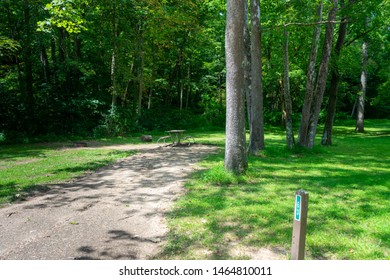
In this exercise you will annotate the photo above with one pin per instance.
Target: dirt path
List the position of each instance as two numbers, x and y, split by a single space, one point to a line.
117 212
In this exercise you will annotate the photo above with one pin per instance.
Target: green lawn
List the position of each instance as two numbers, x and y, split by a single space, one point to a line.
223 216
31 167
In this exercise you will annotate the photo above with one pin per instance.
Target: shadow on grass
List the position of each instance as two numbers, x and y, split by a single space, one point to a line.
348 206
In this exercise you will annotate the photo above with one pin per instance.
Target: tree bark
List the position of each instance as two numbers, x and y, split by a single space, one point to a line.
188 85
322 76
256 141
45 64
362 95
310 81
114 55
334 85
28 66
235 149
141 74
247 64
287 96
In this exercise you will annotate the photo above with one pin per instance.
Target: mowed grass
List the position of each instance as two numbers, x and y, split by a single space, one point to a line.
224 216
32 167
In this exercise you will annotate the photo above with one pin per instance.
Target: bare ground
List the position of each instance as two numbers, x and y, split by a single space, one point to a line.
118 212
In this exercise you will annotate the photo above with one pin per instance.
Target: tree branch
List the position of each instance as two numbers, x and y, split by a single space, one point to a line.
359 36
304 24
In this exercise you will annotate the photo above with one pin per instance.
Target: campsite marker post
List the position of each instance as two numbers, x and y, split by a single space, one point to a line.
299 225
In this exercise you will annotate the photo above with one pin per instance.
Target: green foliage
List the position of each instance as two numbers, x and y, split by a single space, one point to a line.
119 121
2 137
56 73
66 14
161 120
8 48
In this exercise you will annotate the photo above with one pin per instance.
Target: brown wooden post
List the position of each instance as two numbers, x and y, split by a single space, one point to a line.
299 225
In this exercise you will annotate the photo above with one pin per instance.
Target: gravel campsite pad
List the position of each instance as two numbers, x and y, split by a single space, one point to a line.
117 212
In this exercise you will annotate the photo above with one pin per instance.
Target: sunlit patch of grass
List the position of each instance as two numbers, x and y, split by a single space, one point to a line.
32 167
349 190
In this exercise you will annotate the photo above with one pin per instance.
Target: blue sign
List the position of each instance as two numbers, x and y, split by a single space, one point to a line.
297 212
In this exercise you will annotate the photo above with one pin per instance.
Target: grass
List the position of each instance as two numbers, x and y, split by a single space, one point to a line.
32 167
224 216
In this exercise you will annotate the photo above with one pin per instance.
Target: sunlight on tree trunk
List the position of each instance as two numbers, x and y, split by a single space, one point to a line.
362 93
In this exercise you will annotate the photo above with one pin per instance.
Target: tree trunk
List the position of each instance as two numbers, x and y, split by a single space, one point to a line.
61 45
45 64
114 86
181 94
256 141
141 85
362 95
188 85
235 151
77 46
28 66
310 81
322 76
247 64
287 96
113 79
334 85
153 78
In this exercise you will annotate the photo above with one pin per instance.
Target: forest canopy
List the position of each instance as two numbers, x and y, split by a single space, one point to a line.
113 67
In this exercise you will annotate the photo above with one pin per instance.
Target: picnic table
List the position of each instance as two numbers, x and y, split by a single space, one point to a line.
176 137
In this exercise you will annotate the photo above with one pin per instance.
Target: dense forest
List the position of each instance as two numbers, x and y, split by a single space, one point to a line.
113 67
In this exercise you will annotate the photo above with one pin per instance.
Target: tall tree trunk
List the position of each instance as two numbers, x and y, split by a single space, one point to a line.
362 95
128 84
322 75
235 150
114 62
334 85
114 92
310 81
153 78
188 85
247 64
77 46
256 141
61 45
28 65
53 50
181 94
287 96
141 69
45 64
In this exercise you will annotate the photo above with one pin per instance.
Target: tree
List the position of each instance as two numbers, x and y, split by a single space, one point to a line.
256 119
361 99
310 81
322 75
335 80
235 149
287 96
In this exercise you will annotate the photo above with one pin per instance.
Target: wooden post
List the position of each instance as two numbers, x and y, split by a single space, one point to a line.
299 225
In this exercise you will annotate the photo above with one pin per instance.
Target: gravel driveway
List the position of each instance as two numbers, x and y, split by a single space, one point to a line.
118 212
